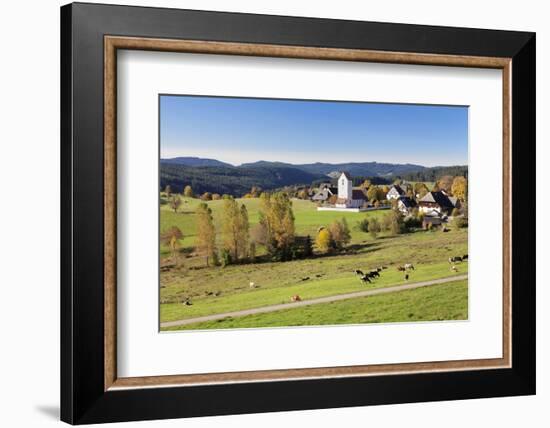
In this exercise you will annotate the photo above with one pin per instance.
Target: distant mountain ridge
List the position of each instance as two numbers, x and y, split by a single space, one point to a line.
363 169
193 161
211 175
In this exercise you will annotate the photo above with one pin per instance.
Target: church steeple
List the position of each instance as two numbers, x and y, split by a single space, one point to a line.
344 186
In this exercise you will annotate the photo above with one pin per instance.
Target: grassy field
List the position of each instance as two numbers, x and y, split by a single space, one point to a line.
433 303
215 289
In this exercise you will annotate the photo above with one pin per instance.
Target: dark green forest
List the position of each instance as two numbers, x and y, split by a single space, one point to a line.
238 180
435 173
231 180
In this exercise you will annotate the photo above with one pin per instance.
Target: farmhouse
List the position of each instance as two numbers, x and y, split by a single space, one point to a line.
405 205
324 193
437 204
395 192
348 197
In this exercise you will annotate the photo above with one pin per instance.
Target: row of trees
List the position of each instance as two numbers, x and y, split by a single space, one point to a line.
275 231
393 222
188 193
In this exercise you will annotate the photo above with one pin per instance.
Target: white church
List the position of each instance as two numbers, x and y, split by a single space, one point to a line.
348 197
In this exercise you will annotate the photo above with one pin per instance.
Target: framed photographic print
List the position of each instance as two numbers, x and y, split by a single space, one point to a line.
265 213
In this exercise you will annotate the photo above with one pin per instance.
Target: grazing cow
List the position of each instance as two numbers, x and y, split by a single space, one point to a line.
408 266
455 259
365 279
374 274
465 257
295 298
252 285
359 272
305 279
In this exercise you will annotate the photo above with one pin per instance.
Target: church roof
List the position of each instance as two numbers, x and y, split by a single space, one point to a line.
358 194
347 174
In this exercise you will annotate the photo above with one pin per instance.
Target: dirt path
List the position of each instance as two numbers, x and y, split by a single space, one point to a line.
327 299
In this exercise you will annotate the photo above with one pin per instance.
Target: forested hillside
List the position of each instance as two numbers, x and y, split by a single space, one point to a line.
435 173
364 169
235 181
210 175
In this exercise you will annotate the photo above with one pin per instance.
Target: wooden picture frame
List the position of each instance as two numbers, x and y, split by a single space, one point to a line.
91 390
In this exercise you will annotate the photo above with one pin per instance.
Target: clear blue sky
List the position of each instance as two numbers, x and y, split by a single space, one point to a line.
239 130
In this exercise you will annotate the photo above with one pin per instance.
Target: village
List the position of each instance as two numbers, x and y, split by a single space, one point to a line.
436 207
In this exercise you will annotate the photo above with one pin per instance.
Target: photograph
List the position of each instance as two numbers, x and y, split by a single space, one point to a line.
288 212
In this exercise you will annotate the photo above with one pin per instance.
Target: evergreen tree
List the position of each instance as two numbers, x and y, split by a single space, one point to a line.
308 247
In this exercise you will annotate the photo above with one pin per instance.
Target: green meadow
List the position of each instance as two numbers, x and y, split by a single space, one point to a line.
214 290
434 303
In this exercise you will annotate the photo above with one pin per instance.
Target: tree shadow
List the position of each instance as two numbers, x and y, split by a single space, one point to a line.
354 249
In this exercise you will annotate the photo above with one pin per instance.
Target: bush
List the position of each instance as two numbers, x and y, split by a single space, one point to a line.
363 225
459 222
374 228
323 241
393 222
339 232
215 259
412 222
225 257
